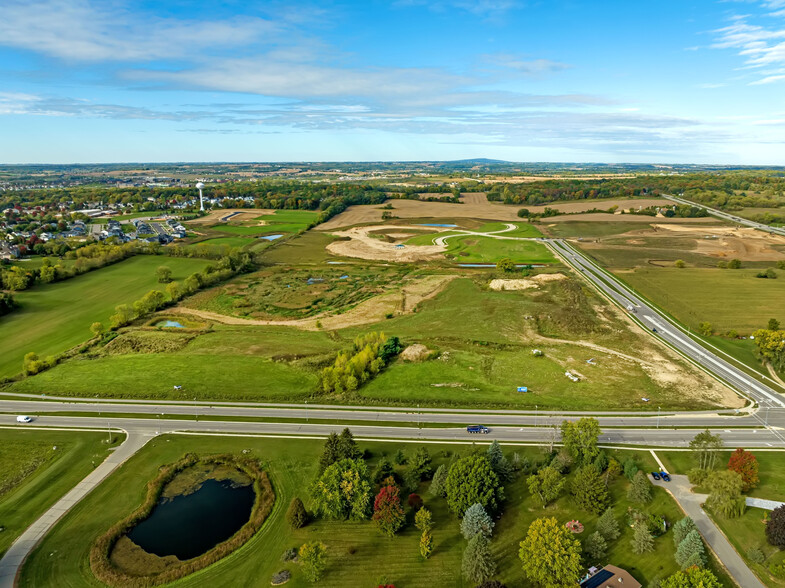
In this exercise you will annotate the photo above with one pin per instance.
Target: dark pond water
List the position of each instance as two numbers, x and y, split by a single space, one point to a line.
187 526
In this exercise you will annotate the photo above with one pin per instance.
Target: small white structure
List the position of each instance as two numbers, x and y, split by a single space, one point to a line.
572 377
537 353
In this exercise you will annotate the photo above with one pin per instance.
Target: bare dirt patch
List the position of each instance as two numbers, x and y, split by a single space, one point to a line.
524 283
626 218
403 300
362 244
415 353
746 243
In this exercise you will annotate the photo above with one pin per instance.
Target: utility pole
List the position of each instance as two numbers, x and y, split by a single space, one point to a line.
658 417
536 413
109 430
306 411
418 416
196 410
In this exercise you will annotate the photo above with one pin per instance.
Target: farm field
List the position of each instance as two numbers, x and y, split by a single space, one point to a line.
35 475
356 553
728 299
54 317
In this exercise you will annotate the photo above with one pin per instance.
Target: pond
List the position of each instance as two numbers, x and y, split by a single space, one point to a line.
436 225
271 237
189 525
522 265
170 324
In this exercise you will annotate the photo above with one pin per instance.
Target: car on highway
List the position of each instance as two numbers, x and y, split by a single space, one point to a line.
24 419
478 429
655 475
664 475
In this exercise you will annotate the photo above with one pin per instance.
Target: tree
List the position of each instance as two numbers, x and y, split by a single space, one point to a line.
608 526
691 551
123 314
343 491
384 469
330 452
692 578
774 325
471 480
387 510
311 557
491 584
97 329
580 439
550 556
476 520
734 264
420 463
164 274
424 522
546 485
296 515
642 541
775 527
505 265
681 529
725 493
524 213
175 291
438 482
705 447
706 328
595 546
613 470
478 564
640 490
499 462
679 263
746 465
31 364
347 446
589 490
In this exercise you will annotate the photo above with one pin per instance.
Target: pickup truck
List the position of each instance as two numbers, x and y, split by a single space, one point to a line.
478 429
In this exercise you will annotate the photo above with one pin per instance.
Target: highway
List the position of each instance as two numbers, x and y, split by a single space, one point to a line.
663 328
678 438
729 217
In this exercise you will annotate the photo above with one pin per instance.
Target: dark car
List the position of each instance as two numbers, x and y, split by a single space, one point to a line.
655 475
665 476
477 429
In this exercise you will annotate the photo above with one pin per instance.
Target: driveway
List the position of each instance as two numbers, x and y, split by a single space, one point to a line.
681 489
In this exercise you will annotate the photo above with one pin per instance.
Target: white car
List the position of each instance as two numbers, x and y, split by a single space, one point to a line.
24 419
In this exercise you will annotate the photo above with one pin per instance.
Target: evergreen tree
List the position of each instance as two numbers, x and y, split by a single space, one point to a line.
589 490
296 515
608 526
642 541
640 490
330 452
476 520
426 544
347 446
595 546
420 463
681 529
500 464
478 564
439 479
691 551
384 469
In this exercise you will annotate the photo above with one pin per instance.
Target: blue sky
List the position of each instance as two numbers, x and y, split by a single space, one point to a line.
611 81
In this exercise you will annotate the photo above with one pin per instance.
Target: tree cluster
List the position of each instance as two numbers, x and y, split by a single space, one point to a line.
369 355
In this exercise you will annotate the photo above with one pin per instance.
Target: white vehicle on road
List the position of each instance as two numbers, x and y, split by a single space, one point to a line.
24 419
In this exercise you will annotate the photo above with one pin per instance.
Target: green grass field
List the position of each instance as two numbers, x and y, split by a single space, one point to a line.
231 241
728 299
357 555
283 221
470 249
35 475
54 317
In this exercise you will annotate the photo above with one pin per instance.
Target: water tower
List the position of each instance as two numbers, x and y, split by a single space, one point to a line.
199 186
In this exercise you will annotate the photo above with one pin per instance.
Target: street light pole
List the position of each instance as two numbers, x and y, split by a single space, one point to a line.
536 414
418 416
196 410
306 411
658 417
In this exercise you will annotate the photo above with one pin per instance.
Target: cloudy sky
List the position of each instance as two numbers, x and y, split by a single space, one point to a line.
611 81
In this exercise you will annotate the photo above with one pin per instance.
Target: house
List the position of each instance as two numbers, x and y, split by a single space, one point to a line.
610 577
8 251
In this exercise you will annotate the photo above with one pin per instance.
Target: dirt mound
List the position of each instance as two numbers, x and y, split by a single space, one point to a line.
363 245
416 352
525 283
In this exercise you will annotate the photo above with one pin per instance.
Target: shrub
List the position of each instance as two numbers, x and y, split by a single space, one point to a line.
414 501
296 515
289 555
755 555
775 527
281 577
697 476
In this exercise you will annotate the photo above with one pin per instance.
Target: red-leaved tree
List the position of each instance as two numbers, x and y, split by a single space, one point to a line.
746 465
387 510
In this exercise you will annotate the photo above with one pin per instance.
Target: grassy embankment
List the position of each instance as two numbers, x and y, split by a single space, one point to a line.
283 222
357 555
54 317
35 475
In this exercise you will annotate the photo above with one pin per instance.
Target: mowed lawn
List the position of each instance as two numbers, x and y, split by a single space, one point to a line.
728 299
357 554
35 474
54 317
283 221
471 249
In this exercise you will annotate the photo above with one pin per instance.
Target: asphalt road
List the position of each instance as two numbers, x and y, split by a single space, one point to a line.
775 417
729 217
763 437
663 328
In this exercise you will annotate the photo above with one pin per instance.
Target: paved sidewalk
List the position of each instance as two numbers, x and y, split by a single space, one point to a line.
690 503
13 559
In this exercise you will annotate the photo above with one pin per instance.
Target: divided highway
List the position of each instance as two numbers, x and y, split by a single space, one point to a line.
729 217
665 329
